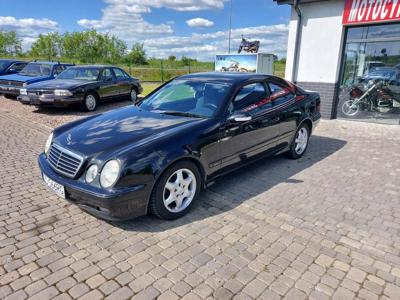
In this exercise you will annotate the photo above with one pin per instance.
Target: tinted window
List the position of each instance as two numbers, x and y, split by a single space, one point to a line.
58 69
279 93
119 74
107 74
37 69
80 73
18 66
274 88
198 98
249 96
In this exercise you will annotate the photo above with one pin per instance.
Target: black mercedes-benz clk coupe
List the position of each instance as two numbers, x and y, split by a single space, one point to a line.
156 156
85 85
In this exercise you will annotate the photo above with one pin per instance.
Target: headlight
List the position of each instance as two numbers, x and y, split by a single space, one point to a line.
91 173
109 174
24 84
62 93
23 91
48 143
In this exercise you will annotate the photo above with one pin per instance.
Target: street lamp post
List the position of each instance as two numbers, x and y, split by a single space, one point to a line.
230 28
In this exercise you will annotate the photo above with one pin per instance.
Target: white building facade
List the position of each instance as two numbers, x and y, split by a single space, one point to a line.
336 47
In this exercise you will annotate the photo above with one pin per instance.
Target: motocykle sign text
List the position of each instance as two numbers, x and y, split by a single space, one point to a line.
371 11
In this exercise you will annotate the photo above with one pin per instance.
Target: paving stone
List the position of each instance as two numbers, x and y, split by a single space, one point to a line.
274 229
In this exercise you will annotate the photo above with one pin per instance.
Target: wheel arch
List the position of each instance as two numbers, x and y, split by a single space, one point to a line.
93 91
192 159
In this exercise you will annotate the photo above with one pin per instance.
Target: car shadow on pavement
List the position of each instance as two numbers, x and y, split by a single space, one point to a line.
243 184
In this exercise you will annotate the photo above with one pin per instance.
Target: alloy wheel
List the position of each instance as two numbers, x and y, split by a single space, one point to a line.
133 95
301 141
349 109
179 190
90 102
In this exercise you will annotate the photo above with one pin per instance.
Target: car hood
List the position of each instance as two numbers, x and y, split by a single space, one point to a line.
120 130
59 84
22 78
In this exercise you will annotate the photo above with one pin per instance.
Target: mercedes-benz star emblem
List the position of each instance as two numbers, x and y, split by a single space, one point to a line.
69 139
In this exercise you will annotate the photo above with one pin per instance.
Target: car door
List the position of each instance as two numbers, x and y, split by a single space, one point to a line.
124 84
108 85
251 128
283 100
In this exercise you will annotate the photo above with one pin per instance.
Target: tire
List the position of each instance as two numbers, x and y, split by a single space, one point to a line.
300 142
348 110
90 102
167 189
133 95
11 97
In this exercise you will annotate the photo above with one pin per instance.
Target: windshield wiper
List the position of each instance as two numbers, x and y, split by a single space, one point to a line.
178 113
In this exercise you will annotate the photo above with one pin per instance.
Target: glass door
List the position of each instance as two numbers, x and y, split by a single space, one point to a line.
370 83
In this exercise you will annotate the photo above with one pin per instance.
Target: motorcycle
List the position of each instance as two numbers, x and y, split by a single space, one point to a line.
234 67
249 46
375 96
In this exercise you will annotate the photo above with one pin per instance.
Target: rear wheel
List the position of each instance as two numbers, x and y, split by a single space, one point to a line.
133 95
90 102
176 191
300 142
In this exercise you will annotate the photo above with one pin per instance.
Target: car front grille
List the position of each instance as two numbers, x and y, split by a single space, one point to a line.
64 161
11 83
39 92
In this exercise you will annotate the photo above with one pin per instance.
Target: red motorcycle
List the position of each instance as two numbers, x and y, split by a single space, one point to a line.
375 96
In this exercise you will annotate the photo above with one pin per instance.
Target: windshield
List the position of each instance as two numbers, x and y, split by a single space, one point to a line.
36 69
193 98
3 65
90 74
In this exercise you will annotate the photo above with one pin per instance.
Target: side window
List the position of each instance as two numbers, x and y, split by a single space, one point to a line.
107 75
18 66
280 93
58 69
119 74
250 98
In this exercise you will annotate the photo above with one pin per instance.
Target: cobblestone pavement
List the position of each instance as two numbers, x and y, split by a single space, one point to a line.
325 226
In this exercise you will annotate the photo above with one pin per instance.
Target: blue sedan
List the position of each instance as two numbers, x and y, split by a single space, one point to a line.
33 72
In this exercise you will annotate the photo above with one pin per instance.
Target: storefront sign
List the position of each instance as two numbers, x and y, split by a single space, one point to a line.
370 11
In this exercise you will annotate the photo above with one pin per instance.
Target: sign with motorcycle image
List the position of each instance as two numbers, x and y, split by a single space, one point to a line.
370 11
236 63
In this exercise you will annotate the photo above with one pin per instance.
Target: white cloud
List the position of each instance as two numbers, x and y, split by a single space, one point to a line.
199 22
179 5
27 29
273 39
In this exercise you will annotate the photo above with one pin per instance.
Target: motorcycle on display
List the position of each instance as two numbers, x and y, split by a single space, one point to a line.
249 46
374 96
234 67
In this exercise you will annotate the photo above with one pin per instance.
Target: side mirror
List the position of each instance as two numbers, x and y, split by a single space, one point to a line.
239 118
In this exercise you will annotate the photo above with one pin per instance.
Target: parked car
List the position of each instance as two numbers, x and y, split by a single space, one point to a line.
156 156
86 85
10 85
11 66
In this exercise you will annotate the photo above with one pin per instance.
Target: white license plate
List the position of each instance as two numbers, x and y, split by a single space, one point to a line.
54 186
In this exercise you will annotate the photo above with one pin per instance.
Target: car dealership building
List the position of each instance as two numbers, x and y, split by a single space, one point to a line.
336 45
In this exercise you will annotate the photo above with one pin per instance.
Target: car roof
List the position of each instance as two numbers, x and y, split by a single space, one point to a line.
50 62
225 77
96 66
11 60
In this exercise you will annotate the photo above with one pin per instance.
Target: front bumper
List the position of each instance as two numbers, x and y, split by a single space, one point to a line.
112 205
9 90
48 99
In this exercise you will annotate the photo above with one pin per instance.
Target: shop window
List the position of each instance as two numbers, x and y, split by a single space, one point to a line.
370 81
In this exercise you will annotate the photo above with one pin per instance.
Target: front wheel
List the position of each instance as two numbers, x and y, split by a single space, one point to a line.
349 109
90 102
300 142
176 191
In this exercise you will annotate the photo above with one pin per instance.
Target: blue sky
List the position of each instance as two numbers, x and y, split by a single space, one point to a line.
196 28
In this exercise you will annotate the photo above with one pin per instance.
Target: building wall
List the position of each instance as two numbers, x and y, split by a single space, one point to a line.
320 50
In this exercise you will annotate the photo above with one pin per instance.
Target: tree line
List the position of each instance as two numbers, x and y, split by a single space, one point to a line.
87 46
